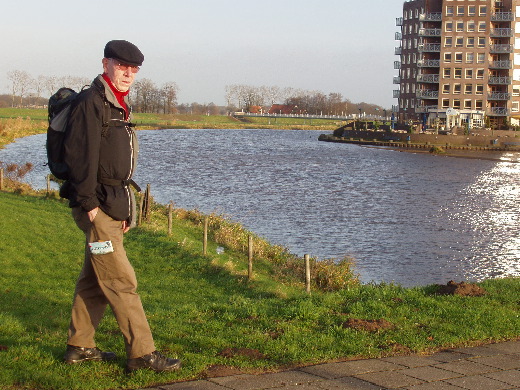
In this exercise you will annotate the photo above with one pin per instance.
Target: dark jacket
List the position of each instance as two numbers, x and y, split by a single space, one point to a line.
93 153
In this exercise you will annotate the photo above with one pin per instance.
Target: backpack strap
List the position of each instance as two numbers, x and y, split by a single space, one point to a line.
107 114
119 183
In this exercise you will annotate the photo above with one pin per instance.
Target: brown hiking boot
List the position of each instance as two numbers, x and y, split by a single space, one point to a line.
154 361
79 354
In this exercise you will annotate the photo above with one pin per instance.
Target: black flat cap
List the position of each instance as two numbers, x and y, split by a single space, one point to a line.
124 51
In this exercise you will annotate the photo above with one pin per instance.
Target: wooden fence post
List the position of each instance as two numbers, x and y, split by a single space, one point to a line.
205 241
147 203
250 258
141 206
307 274
1 179
48 184
170 218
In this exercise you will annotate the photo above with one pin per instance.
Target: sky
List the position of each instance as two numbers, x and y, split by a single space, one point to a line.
331 46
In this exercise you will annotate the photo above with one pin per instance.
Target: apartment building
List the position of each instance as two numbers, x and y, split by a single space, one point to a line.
459 63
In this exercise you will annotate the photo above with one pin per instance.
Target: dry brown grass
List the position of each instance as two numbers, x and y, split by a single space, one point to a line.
13 128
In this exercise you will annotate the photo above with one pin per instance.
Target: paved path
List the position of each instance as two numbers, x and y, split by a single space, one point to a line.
489 367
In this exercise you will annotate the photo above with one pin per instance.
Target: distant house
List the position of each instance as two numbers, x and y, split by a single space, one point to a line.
283 109
255 109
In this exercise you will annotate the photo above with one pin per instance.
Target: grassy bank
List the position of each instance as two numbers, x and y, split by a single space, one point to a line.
203 309
16 123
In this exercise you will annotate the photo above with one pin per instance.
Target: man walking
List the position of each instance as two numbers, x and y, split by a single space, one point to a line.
100 152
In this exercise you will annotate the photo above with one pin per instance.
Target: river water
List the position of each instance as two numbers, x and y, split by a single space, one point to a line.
408 218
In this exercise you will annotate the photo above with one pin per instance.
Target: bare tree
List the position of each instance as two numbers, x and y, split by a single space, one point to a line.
21 82
169 94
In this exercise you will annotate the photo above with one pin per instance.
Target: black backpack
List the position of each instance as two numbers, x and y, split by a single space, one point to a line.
59 111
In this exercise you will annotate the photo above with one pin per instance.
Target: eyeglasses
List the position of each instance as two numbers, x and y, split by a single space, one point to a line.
124 67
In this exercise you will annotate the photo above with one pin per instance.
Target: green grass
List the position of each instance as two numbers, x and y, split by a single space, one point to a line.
199 305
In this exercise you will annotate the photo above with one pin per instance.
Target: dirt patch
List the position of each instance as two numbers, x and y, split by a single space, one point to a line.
253 354
462 289
368 325
220 370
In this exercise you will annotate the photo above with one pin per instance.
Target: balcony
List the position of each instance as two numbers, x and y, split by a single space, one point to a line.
399 21
501 32
432 17
499 96
425 109
398 36
428 78
428 63
397 80
499 80
430 32
502 17
430 47
397 64
497 111
398 51
501 48
500 64
397 93
427 94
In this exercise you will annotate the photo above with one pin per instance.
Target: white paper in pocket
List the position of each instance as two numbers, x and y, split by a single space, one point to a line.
100 247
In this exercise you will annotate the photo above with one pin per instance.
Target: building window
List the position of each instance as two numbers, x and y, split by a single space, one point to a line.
470 42
471 10
468 89
456 104
448 41
460 10
458 58
447 57
445 88
478 104
460 26
457 73
446 73
480 74
469 58
481 42
482 10
516 91
449 10
467 104
481 26
448 26
456 89
469 73
470 26
515 106
481 57
445 103
459 42
479 89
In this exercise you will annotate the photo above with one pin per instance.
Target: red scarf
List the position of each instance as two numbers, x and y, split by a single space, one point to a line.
120 96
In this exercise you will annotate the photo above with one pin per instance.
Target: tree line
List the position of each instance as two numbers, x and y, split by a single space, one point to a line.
148 97
248 98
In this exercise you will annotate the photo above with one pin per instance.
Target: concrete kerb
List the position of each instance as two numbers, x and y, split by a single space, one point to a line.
492 366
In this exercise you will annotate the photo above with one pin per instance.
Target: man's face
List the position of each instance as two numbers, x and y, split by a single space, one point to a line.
122 75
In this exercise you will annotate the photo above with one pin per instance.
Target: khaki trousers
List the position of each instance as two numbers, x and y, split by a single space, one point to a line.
107 279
